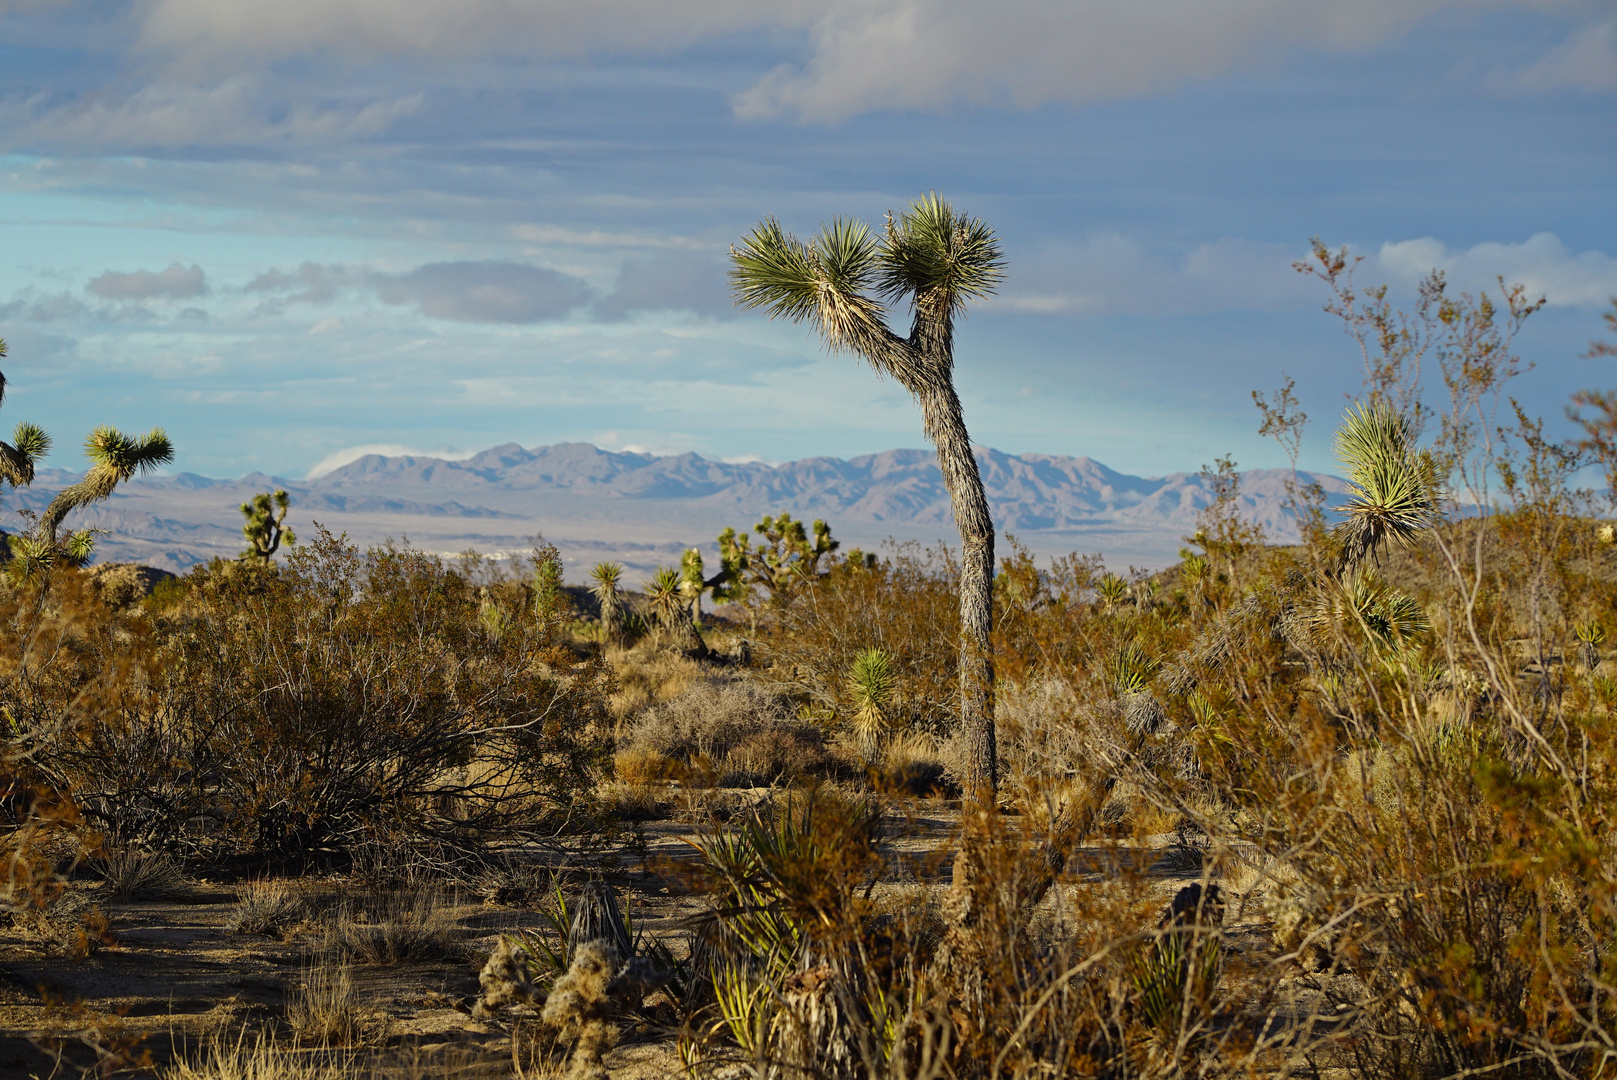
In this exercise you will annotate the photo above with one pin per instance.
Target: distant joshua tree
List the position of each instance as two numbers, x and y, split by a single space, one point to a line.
842 282
606 577
265 528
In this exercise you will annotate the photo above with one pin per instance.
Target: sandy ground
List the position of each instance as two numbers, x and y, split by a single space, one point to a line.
176 974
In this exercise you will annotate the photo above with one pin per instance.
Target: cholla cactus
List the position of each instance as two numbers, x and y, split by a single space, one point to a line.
265 529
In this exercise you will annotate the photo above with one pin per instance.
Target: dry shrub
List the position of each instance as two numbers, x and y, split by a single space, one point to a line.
904 605
637 765
397 928
647 676
323 1009
636 802
305 709
271 908
732 731
141 875
765 758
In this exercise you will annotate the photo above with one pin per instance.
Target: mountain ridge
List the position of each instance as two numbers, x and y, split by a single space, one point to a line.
590 500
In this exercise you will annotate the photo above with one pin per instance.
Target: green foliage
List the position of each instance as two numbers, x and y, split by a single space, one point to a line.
265 529
784 561
872 682
1394 484
605 579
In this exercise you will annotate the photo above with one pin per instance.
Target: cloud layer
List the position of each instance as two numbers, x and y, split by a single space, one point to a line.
856 55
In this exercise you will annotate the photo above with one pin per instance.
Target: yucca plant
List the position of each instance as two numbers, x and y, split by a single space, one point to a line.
1394 484
604 587
872 681
1591 635
665 598
842 282
1113 591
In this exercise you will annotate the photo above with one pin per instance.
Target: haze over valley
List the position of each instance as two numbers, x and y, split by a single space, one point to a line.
644 510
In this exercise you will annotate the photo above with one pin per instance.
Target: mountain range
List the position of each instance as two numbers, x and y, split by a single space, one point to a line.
643 510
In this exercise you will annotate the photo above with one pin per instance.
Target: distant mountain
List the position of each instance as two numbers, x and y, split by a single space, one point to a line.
643 510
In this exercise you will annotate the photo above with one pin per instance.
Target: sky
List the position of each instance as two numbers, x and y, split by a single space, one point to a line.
292 233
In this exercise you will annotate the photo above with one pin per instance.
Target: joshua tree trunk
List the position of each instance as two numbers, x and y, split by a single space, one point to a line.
946 427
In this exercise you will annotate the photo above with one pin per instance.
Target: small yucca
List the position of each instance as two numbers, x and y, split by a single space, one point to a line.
1394 485
872 682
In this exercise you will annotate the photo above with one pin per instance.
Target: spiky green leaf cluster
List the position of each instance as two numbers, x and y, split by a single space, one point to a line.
1394 484
842 279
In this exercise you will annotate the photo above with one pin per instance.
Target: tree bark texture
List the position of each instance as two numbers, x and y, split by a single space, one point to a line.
932 342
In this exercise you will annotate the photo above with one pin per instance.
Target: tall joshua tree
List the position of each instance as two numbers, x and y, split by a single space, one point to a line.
842 281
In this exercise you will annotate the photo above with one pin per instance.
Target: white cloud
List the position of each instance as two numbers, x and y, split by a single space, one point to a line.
338 458
927 54
864 54
1585 61
1541 263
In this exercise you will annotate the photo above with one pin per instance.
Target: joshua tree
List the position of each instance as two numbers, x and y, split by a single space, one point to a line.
114 458
606 576
265 528
842 282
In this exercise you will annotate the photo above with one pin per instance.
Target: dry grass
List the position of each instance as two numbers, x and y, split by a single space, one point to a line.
324 1010
397 928
141 875
272 908
265 1059
648 676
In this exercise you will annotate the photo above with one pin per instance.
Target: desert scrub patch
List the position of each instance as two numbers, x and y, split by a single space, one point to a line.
396 928
273 907
132 874
322 1008
732 733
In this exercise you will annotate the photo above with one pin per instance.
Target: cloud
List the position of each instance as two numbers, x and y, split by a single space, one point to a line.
1585 61
338 458
486 292
1110 273
310 283
57 307
240 110
475 292
1541 263
213 33
595 238
862 54
176 283
668 283
928 54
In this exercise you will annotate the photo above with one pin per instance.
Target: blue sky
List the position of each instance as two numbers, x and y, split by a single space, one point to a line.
289 232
